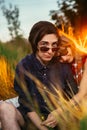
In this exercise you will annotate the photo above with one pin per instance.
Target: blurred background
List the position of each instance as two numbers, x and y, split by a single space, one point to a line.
16 19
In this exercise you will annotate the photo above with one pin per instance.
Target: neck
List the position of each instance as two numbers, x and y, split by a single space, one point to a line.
44 63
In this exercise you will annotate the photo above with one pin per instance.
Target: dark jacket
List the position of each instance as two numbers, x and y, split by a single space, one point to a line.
54 74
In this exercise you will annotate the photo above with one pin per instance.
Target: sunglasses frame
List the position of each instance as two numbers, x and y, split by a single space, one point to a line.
45 49
63 51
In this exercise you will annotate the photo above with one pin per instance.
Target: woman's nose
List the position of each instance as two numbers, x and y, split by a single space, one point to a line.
64 58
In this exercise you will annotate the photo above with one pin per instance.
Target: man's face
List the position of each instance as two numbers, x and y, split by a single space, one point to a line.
47 48
67 55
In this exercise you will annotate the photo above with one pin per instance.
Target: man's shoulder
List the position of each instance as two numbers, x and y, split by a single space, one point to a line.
64 65
26 60
25 63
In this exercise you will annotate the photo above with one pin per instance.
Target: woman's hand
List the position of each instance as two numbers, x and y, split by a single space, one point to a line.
51 121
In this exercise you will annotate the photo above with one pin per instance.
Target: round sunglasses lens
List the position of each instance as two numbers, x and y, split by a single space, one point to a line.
54 49
44 49
63 52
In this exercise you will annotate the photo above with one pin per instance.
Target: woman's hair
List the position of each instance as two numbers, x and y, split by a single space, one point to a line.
39 30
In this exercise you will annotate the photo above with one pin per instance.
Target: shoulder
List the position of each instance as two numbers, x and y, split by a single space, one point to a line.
65 68
25 62
63 65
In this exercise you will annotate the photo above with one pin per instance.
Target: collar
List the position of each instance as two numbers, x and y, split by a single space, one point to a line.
38 63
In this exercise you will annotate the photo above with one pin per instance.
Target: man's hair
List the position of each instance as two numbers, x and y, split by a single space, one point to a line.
39 30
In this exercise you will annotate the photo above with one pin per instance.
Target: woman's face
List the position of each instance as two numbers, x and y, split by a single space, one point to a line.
47 48
68 57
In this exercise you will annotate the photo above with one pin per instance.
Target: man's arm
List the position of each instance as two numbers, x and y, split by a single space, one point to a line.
33 116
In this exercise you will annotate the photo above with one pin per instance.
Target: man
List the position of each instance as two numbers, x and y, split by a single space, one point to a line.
34 94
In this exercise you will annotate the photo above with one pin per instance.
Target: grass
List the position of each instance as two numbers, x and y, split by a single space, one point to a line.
6 80
68 115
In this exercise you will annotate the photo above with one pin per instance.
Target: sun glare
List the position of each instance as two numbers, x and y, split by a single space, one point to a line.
79 42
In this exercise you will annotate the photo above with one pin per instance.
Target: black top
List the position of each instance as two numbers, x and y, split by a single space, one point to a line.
54 74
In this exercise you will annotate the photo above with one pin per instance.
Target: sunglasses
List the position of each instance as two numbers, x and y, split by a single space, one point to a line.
45 49
63 52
